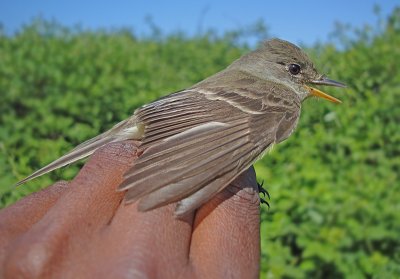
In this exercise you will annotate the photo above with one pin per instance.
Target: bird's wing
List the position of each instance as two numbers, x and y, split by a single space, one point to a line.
196 142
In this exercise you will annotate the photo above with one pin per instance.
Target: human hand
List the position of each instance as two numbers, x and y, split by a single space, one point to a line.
82 229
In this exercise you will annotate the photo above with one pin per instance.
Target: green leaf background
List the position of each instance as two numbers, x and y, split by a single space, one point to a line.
335 184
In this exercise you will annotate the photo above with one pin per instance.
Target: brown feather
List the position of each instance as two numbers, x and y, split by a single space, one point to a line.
187 158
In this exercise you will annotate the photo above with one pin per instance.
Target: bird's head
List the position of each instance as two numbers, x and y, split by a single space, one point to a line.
283 62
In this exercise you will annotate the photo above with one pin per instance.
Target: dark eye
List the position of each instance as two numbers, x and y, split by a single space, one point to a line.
294 69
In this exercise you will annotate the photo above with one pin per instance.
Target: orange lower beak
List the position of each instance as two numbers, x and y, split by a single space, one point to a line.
319 93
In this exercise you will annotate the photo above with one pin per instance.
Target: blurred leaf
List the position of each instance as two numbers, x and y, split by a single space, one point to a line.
334 185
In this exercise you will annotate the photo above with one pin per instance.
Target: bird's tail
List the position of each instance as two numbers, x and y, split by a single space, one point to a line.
124 130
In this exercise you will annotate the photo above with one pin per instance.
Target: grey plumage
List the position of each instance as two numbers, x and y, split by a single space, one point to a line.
195 142
213 147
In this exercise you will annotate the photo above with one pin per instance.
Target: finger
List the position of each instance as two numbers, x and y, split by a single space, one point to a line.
19 217
159 244
151 244
87 205
226 237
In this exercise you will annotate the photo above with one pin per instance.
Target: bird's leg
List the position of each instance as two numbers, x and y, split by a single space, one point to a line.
261 190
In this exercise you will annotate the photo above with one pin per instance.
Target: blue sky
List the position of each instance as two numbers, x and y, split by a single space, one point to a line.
296 21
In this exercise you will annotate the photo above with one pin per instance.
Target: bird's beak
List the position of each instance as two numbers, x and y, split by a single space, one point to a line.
319 93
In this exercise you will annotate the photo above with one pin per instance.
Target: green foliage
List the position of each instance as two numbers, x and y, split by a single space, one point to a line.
60 87
335 210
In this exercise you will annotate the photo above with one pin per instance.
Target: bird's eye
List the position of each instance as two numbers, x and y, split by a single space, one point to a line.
294 69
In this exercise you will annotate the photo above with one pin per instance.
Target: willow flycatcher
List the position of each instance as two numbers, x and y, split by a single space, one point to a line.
198 140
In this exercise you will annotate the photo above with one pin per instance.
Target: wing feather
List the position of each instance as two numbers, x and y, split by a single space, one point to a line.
196 143
178 159
161 153
194 201
208 181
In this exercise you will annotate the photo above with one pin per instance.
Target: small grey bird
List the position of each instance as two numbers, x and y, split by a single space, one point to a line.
196 141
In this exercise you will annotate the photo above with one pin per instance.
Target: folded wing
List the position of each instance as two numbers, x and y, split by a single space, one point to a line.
195 145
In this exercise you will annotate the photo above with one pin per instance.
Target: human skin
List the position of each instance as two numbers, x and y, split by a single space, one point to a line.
83 229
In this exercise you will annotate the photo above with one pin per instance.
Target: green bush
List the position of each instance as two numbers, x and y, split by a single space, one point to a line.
335 209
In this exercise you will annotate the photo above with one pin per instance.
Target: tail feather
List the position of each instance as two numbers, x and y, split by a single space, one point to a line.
122 131
71 157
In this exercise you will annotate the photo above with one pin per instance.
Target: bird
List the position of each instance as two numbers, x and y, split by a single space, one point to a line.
195 142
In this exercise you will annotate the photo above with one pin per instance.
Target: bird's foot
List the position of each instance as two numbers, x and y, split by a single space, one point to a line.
261 190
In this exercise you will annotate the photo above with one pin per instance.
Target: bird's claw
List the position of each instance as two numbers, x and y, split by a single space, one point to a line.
261 190
262 201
